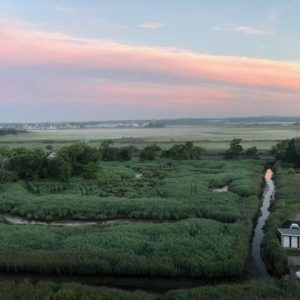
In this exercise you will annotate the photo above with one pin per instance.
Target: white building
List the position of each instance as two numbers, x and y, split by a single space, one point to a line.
290 238
52 155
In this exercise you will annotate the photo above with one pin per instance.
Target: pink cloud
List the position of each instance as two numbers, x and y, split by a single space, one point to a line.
57 90
220 84
27 46
179 94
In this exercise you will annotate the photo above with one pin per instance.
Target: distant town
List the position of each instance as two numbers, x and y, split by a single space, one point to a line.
160 123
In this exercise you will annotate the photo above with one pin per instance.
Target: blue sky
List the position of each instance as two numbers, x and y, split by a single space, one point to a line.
256 30
202 26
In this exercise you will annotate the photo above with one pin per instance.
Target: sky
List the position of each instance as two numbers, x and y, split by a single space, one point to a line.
74 60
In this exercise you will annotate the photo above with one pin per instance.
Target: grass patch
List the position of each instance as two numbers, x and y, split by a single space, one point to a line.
193 248
165 190
253 290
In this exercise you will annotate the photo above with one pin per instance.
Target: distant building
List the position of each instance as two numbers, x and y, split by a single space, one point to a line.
52 155
290 238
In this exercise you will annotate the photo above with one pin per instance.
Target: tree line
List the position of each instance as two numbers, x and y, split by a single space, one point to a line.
30 164
7 131
288 151
79 159
82 160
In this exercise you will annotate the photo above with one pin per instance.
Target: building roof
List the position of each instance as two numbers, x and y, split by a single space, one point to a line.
288 231
52 155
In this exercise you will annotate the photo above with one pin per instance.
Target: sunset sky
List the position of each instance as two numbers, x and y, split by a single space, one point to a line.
135 59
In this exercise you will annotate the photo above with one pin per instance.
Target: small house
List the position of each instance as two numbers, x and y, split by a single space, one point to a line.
52 155
290 238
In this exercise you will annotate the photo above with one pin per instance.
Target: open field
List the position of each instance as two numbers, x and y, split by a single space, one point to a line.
211 240
211 137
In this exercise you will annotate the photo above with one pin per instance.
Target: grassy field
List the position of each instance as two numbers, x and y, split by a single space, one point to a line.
205 234
53 291
212 137
192 248
211 240
164 190
253 290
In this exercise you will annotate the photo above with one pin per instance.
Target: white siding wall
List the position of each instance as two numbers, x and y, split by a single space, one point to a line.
286 241
294 242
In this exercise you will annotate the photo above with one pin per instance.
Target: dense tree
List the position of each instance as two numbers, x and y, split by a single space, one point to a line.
251 152
28 164
149 152
183 151
59 168
235 150
6 131
79 160
5 174
124 154
5 154
279 150
49 147
176 152
293 152
80 153
189 145
288 151
196 152
110 153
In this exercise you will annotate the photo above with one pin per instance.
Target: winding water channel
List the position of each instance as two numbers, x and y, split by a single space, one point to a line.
17 220
256 248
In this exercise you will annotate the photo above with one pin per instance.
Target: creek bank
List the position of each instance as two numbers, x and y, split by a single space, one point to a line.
17 220
258 237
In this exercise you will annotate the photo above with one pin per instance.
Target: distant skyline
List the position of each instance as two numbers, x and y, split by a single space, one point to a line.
131 59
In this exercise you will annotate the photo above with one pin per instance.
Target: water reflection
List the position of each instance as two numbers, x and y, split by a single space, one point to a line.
259 232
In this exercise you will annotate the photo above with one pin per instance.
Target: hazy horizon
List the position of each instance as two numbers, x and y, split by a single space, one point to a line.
275 118
129 60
